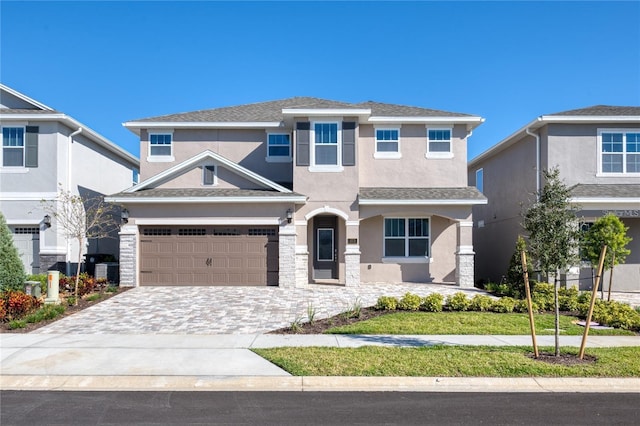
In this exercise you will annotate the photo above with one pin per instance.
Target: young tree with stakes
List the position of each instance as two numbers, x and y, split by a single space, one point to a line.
554 234
610 231
81 218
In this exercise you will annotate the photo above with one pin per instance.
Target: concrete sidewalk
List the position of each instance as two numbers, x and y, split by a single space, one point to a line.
225 362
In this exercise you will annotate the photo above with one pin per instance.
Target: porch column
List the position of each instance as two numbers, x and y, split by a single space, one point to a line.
286 256
352 254
465 255
301 257
128 255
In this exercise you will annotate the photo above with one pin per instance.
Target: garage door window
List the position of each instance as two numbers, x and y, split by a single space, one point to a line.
192 232
156 232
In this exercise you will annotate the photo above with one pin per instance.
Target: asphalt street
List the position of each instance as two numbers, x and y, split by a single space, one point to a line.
316 408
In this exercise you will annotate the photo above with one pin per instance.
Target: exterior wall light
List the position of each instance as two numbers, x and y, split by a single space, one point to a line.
289 215
47 221
124 216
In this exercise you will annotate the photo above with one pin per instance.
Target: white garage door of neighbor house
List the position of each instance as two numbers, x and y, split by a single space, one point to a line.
27 240
209 255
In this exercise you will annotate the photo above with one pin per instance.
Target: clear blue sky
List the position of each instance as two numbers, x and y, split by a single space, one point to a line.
104 63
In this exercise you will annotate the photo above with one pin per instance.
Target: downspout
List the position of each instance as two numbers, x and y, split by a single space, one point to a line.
69 169
537 160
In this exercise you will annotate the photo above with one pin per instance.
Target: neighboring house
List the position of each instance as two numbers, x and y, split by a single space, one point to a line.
300 190
597 149
43 151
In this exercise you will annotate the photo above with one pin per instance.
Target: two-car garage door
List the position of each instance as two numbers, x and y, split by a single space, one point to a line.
208 255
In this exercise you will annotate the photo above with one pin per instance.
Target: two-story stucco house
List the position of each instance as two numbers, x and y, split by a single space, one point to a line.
300 190
43 151
597 149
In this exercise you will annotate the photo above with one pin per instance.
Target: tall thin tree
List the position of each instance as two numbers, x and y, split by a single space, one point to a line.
554 234
81 218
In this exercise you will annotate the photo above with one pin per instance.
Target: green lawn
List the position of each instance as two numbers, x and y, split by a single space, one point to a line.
448 361
466 323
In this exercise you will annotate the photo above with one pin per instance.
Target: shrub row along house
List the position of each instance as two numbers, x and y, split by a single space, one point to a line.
596 150
300 190
45 151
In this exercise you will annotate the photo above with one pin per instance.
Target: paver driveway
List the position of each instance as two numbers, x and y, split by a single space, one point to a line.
225 310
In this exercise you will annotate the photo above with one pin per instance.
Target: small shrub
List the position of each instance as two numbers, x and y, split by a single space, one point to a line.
409 302
112 289
15 324
355 310
12 275
47 312
311 312
616 314
522 307
458 302
568 299
481 303
94 297
501 289
542 296
296 325
17 304
386 303
71 300
504 305
432 303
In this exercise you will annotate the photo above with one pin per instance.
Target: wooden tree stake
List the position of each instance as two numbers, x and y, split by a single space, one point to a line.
613 262
594 293
525 273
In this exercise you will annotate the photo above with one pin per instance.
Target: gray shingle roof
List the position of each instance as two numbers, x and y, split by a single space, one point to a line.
272 111
202 192
464 193
607 191
603 110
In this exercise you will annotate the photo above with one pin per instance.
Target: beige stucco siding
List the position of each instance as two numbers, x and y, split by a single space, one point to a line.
441 266
204 212
224 179
413 169
509 182
246 147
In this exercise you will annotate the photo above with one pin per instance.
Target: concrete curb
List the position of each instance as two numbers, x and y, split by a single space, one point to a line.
318 384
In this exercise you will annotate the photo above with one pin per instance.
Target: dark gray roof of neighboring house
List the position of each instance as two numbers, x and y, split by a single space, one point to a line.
464 193
27 111
272 111
602 110
202 192
606 191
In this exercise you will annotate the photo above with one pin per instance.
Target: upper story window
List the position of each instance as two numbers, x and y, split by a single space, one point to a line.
13 146
406 237
278 147
619 151
160 147
480 180
387 143
439 143
326 144
209 175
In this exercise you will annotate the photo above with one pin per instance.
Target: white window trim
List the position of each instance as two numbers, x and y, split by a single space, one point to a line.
481 172
328 168
439 154
14 169
407 258
279 158
600 173
386 154
160 158
215 175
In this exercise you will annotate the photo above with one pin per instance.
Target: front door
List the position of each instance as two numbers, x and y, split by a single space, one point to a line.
325 250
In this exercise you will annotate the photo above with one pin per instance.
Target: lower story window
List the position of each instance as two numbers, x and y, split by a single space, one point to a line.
406 237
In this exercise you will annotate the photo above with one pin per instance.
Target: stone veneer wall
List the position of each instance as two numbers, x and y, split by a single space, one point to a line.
53 262
302 266
286 257
128 251
352 266
464 269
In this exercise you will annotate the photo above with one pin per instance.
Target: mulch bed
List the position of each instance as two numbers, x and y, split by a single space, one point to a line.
564 359
70 310
321 325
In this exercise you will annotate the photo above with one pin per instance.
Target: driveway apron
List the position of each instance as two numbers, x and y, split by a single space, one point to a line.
227 310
